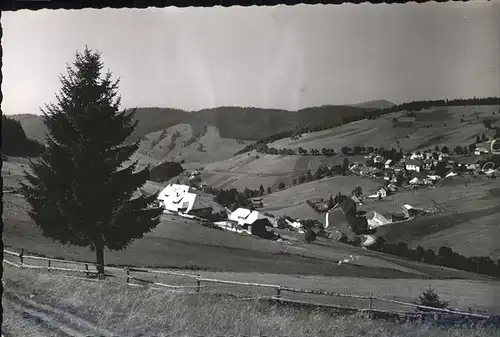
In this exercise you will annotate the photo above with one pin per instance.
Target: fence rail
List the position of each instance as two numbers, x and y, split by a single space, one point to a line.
198 287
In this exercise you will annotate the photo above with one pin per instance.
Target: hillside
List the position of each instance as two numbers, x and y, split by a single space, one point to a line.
292 201
375 104
15 141
440 126
32 125
243 123
183 142
250 170
468 222
182 243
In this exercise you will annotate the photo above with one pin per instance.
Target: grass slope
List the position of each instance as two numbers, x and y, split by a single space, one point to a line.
191 145
250 170
410 132
292 201
181 243
134 311
469 223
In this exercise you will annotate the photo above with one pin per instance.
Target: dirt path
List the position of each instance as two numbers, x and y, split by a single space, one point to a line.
45 320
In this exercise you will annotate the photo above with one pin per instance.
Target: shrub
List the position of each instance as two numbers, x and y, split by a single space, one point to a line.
429 298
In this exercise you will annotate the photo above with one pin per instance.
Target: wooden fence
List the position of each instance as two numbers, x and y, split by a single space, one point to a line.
202 282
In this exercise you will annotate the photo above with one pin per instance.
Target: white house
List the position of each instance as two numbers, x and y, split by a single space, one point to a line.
176 197
415 156
382 193
480 151
378 159
388 163
416 181
413 165
377 220
244 216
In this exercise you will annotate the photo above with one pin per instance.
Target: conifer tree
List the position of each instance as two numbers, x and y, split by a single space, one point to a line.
81 191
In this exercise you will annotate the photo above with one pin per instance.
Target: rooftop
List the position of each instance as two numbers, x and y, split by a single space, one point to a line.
413 162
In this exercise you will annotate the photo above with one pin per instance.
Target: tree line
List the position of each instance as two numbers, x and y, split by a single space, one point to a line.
15 143
421 105
445 257
371 114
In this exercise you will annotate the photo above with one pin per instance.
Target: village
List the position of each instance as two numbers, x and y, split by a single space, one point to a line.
342 220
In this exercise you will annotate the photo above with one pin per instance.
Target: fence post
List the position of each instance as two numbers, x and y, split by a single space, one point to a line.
21 256
371 301
278 292
128 275
198 283
49 263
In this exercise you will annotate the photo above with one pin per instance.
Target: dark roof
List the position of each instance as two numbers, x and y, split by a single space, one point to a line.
413 162
348 206
337 219
466 160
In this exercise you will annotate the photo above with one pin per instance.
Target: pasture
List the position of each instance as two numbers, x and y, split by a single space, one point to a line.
292 201
468 221
252 169
409 133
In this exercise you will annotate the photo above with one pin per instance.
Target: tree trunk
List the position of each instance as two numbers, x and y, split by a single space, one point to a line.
100 259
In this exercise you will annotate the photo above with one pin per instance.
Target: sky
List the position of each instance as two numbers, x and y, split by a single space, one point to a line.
286 57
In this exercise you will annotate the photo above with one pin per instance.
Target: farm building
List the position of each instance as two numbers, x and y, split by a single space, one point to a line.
356 200
469 163
377 220
416 181
341 217
382 192
399 166
253 220
244 216
199 207
395 217
378 159
178 199
481 150
416 156
257 202
172 197
413 165
389 163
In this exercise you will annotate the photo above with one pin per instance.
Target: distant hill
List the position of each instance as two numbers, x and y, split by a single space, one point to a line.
242 123
376 104
32 125
15 143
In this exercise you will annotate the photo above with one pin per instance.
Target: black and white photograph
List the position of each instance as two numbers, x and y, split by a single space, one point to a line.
279 171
